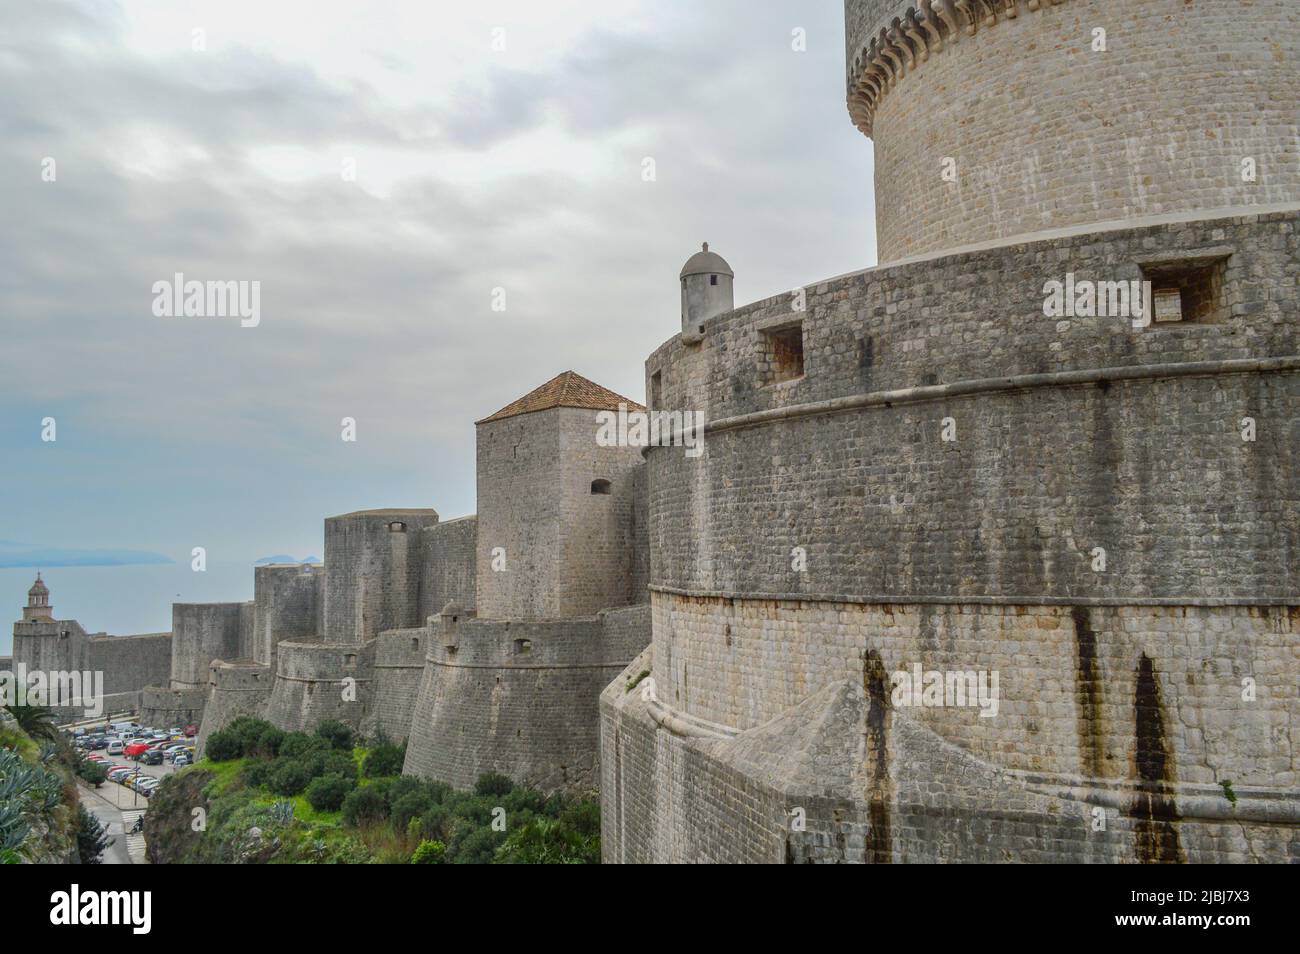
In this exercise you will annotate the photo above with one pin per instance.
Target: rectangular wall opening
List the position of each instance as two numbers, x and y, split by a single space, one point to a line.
1187 290
782 353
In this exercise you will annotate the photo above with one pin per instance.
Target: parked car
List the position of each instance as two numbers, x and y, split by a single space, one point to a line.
119 772
135 750
152 757
191 730
182 759
115 747
96 757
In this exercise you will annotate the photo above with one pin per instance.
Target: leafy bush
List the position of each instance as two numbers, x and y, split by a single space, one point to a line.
295 744
92 772
547 841
337 734
289 777
364 805
268 742
493 783
410 805
326 794
429 853
383 760
244 736
476 845
223 746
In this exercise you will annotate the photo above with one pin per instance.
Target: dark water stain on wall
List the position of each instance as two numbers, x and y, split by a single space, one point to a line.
1156 834
879 847
1088 686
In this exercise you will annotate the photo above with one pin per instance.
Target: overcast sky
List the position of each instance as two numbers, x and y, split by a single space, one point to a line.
476 168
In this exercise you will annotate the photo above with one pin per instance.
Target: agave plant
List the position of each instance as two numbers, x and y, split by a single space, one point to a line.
281 812
27 792
13 830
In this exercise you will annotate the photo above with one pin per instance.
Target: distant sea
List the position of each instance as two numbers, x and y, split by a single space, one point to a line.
122 600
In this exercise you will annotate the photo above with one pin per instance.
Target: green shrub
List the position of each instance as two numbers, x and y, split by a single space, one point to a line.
295 744
437 823
403 785
258 773
383 760
365 804
223 746
493 783
244 736
289 777
268 742
326 794
411 805
476 845
338 735
542 841
429 853
583 817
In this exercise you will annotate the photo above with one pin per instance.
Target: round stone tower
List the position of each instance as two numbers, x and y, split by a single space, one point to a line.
706 291
995 119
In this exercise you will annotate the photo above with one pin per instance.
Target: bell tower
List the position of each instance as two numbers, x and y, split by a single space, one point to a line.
38 608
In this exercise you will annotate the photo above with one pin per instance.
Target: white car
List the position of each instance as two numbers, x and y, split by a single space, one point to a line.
115 747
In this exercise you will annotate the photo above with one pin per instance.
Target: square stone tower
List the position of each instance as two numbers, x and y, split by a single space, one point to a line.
556 510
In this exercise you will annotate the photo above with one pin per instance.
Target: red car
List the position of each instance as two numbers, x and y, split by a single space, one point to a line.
135 750
191 730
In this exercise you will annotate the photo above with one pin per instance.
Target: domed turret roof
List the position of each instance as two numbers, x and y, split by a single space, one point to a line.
705 262
39 588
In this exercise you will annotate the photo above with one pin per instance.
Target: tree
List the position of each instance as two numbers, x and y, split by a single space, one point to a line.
92 839
93 772
37 721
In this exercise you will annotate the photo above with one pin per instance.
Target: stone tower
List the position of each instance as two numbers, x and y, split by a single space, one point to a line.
38 606
706 290
930 476
1001 118
556 509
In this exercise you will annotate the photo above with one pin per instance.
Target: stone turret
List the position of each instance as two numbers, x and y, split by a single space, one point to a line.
706 291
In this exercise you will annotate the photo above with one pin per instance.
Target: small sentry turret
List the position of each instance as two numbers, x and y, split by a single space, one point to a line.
706 291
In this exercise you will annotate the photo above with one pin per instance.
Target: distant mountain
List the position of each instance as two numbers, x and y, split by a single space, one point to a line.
284 558
14 555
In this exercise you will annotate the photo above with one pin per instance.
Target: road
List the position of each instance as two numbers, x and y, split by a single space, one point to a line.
117 807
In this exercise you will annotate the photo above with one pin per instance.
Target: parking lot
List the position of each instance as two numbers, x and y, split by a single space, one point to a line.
134 756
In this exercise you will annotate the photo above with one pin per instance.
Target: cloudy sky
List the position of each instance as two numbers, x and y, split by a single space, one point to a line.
475 168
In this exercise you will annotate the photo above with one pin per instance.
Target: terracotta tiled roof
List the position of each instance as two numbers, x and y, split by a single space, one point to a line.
565 390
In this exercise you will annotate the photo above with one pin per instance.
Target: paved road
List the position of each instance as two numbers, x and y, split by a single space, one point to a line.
118 851
118 807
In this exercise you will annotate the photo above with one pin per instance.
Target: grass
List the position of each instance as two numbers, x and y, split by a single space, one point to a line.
224 774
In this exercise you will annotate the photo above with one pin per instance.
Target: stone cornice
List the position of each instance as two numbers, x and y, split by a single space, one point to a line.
908 41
